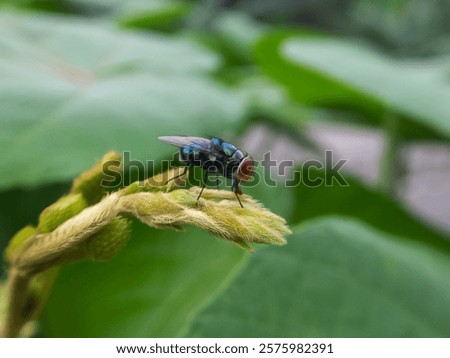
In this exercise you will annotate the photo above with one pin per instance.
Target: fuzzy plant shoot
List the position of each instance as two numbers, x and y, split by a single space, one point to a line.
89 224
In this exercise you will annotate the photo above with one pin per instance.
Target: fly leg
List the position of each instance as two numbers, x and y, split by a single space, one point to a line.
205 180
177 176
236 190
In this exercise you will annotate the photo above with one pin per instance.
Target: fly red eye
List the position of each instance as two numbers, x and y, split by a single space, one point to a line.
245 169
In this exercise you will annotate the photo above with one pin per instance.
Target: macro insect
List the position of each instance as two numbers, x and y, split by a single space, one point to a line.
213 156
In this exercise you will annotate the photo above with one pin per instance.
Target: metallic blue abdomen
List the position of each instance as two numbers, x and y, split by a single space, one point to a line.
192 153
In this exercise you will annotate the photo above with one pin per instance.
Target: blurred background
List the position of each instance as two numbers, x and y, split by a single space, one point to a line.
369 80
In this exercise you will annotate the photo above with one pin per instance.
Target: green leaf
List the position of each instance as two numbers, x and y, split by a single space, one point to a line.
275 198
149 290
71 91
335 278
320 70
236 33
157 15
306 85
364 203
397 86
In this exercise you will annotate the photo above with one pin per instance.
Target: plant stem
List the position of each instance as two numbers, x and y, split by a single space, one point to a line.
16 314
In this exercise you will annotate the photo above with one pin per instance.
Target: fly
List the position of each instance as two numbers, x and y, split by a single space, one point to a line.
213 156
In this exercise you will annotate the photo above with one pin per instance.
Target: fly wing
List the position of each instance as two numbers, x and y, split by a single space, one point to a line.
203 144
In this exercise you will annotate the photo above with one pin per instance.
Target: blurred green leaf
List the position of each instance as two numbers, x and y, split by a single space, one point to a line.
335 278
269 103
129 7
236 32
398 86
414 27
71 91
364 203
305 85
131 12
164 17
40 5
151 289
150 14
276 198
260 92
321 70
